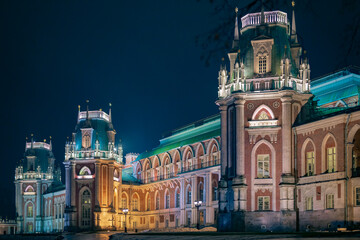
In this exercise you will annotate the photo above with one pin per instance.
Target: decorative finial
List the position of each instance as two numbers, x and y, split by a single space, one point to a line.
110 104
236 10
79 107
293 3
50 137
32 135
100 109
304 51
44 140
87 101
222 59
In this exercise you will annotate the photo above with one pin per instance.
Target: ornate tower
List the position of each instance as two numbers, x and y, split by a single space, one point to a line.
33 175
93 165
259 100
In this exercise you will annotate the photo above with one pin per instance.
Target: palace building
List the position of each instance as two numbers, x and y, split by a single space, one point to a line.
282 154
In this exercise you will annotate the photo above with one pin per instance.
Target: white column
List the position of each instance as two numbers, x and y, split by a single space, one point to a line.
97 184
240 138
286 135
68 185
38 198
208 194
223 113
182 202
73 188
193 198
111 183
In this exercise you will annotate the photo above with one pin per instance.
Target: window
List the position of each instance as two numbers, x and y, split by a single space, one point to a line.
257 85
331 159
267 85
123 203
357 196
148 204
85 171
86 141
85 207
262 65
177 204
214 194
167 200
188 196
263 203
30 210
148 176
201 193
310 163
330 201
167 168
309 204
135 203
263 162
263 116
157 202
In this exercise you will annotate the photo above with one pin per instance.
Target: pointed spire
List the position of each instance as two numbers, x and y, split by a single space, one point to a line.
293 24
88 123
32 140
110 120
235 43
78 113
262 12
50 144
26 139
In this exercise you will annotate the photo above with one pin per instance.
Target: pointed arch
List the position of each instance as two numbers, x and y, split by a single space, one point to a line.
188 149
273 171
135 202
213 142
29 188
261 108
177 197
303 156
188 194
147 201
157 200
328 137
200 146
167 198
165 156
124 200
352 133
156 161
147 162
85 211
177 161
85 171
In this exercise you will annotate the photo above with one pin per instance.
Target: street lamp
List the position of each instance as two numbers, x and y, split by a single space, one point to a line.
125 211
197 205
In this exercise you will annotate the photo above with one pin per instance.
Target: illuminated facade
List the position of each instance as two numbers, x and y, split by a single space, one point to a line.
39 193
281 155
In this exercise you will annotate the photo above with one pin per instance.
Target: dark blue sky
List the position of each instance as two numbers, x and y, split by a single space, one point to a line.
139 55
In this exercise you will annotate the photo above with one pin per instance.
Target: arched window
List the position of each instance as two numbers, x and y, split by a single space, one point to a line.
135 202
157 205
148 202
262 65
86 208
167 199
214 191
177 198
201 193
329 151
29 210
84 171
86 141
124 201
188 195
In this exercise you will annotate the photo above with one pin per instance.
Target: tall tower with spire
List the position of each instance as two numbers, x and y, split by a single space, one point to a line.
259 100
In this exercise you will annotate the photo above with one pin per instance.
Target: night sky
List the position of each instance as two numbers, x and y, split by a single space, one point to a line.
142 56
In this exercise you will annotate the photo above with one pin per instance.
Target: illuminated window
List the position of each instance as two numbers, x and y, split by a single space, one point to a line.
85 171
188 196
135 203
157 202
330 201
263 163
262 65
310 163
357 196
177 204
201 193
263 203
30 210
86 208
331 159
167 200
123 202
309 204
263 116
86 141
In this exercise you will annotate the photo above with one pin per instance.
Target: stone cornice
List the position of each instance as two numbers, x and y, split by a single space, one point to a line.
324 124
